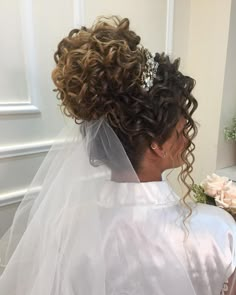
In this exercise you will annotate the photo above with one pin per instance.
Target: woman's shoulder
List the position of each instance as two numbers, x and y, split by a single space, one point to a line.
214 212
213 219
216 229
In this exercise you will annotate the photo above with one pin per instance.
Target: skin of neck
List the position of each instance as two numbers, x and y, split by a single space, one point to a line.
151 167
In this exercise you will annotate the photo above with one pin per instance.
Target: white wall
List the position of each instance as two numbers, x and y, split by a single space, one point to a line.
203 34
204 38
182 15
148 18
226 153
29 116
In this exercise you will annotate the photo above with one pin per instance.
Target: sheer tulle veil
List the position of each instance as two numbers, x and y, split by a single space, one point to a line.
58 219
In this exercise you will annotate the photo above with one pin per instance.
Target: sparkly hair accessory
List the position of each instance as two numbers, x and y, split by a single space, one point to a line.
149 73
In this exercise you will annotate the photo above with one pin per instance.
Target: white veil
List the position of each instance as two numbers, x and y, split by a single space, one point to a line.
56 245
61 204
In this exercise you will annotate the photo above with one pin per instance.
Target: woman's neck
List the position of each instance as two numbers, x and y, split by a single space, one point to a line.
144 175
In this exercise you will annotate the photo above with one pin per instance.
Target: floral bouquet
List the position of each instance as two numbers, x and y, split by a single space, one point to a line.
218 191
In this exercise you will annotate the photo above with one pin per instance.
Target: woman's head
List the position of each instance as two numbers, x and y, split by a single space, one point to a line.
100 74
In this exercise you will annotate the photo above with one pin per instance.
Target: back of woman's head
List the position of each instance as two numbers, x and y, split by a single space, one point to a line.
100 73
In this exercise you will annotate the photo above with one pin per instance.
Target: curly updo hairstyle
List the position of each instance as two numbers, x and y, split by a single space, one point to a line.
98 75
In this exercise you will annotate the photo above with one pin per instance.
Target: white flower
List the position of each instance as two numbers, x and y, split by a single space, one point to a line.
223 203
231 193
216 185
222 189
230 198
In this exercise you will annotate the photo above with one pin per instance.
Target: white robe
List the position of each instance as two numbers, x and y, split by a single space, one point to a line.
141 248
145 248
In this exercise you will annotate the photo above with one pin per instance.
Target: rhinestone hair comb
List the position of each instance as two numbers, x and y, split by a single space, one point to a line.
149 73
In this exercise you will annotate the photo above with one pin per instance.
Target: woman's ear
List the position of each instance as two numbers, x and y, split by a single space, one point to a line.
157 150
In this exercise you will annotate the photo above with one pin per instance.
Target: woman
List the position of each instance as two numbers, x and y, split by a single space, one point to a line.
103 220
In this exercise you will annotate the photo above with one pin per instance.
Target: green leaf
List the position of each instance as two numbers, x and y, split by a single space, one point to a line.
199 195
230 132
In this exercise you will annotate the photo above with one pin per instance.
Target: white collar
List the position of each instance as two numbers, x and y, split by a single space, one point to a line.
156 193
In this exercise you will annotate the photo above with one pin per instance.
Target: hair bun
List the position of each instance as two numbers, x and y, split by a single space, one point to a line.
96 66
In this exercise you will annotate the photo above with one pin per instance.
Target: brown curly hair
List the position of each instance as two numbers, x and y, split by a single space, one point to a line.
98 75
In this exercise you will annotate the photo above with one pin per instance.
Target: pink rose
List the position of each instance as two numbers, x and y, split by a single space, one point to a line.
215 185
227 198
231 193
